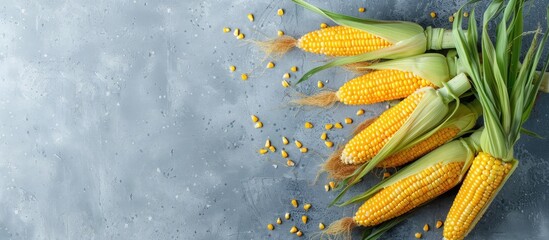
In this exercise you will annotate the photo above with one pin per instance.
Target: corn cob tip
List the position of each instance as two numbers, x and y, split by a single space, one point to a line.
341 228
278 46
323 99
335 168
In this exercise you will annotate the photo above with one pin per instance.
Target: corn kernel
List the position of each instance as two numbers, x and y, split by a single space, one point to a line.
262 151
272 149
280 12
320 84
293 69
285 140
418 235
250 17
386 174
299 233
270 65
270 227
439 224
268 143
226 29
236 32
303 149
327 187
348 120
294 203
254 118
361 9
426 227
304 219
286 76
287 216
323 25
360 112
232 68
258 125
332 185
328 126
451 19
324 136
278 221
321 226
290 163
307 206
244 76
466 14
338 125
284 154
280 33
298 144
308 125
433 14
285 83
329 144
293 229
240 36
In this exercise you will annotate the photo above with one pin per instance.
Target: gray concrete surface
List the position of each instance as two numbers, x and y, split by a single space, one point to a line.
120 120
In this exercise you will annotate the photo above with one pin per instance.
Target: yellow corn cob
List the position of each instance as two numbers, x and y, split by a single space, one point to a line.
368 142
340 41
436 140
483 179
381 85
408 193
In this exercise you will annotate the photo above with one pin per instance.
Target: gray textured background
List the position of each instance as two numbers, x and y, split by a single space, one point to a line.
120 120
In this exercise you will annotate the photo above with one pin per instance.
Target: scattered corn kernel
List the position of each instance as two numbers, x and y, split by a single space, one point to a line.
418 235
329 144
258 125
236 32
280 12
298 144
328 126
262 151
360 112
348 120
439 224
308 125
294 203
451 19
361 9
244 76
332 185
280 33
268 143
287 216
226 29
255 118
278 221
327 187
303 149
240 36
272 149
304 219
232 68
307 206
293 229
433 14
290 163
323 25
426 227
321 226
286 76
320 84
250 17
293 69
338 125
284 154
324 136
299 233
386 174
270 227
270 65
285 83
466 14
285 140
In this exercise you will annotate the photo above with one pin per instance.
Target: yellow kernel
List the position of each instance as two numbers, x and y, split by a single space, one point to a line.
285 83
258 125
360 112
262 151
290 163
294 203
232 68
361 9
327 187
433 14
250 17
418 235
270 65
426 227
320 84
293 69
226 29
329 144
270 226
303 150
254 118
439 224
386 174
307 206
287 216
293 229
286 76
298 144
285 140
348 120
272 149
244 76
332 185
451 19
304 219
268 143
328 126
240 36
280 12
324 136
321 226
299 233
338 125
278 221
466 14
284 154
323 25
308 125
280 33
236 32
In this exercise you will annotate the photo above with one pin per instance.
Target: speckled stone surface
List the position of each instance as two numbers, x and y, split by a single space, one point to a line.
121 120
